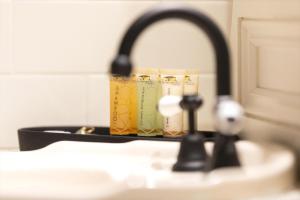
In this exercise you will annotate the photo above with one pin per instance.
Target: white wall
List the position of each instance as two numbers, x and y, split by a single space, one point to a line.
54 55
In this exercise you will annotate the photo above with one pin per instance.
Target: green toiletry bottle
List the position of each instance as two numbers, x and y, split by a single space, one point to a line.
146 101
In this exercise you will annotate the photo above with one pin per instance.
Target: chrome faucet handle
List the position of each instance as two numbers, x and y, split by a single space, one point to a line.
229 122
191 103
192 155
229 116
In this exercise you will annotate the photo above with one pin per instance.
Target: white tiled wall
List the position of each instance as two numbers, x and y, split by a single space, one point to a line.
54 55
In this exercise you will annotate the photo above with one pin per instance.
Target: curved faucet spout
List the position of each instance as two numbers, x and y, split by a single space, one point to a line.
122 64
192 155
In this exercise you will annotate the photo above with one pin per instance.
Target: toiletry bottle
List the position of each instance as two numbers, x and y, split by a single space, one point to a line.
146 101
172 84
190 87
122 105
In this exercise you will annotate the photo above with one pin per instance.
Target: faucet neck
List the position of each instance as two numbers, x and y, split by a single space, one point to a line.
178 12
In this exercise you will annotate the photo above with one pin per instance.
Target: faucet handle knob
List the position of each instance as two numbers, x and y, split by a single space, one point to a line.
169 105
229 116
229 122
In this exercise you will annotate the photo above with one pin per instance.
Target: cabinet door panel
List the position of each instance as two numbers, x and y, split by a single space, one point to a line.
270 69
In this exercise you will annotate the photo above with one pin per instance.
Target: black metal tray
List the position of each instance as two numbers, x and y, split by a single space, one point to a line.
35 137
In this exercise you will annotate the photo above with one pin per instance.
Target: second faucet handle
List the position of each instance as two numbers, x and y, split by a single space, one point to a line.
229 123
191 103
192 154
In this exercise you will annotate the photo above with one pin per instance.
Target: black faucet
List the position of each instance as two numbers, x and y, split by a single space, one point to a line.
192 155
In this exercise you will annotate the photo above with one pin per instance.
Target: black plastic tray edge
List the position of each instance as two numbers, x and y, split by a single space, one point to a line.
33 138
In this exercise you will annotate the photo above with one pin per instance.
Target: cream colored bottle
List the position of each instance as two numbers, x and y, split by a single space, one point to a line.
172 84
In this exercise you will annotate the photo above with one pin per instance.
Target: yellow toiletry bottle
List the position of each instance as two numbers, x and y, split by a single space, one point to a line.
122 105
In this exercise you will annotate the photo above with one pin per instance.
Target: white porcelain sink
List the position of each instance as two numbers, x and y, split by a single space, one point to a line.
139 170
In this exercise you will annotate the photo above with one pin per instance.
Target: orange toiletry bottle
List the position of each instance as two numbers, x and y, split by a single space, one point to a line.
122 105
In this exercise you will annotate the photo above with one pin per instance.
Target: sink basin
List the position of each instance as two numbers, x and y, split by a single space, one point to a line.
139 170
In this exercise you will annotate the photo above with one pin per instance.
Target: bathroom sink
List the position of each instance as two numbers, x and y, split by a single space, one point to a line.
139 170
